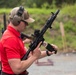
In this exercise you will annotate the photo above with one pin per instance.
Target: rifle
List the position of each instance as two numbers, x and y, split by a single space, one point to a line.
39 35
24 36
4 21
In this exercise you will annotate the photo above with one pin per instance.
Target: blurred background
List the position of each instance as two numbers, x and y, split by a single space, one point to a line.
63 32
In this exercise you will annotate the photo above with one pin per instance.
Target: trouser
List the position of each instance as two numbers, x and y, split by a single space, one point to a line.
0 67
3 73
0 72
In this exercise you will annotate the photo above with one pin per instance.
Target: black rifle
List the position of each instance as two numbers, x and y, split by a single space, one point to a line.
4 21
23 36
39 34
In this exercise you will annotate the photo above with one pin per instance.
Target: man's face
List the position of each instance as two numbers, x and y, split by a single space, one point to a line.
22 26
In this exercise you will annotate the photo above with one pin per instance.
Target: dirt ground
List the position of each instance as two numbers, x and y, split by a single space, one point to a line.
59 64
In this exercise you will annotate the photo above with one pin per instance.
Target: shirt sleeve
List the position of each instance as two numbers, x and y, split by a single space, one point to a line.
12 48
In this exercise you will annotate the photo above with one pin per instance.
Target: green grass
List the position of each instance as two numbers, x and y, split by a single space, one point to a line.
69 10
30 10
4 10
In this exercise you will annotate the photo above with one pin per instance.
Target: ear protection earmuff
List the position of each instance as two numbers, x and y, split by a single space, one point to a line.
17 18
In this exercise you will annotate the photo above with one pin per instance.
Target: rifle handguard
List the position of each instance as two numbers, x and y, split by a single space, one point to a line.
23 36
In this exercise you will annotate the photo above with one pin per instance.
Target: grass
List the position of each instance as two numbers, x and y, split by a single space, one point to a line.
4 10
30 10
69 10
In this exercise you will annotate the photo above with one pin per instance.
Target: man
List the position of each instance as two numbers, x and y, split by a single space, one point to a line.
0 58
13 46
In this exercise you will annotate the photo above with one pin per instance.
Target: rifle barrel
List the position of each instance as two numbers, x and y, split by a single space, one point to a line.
4 19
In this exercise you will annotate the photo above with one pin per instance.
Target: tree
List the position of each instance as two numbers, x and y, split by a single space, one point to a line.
34 3
9 3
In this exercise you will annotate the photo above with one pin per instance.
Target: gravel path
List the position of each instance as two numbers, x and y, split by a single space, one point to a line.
59 64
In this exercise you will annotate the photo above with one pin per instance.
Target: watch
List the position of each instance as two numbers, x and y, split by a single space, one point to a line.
47 53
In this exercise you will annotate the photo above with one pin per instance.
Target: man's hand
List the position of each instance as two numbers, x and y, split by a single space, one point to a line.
54 46
51 50
27 41
36 53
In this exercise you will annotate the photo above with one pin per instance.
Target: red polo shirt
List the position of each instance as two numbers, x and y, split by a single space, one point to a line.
13 47
0 52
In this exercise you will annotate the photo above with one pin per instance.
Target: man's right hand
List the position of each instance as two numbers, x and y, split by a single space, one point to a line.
36 53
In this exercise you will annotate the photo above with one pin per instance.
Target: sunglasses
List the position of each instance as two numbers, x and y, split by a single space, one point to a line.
25 22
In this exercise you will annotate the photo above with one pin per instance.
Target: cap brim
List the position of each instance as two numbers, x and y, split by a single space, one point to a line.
30 20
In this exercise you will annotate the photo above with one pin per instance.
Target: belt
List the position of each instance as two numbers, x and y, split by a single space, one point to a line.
3 73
